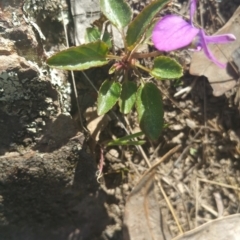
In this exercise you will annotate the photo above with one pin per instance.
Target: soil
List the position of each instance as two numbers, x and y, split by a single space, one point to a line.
48 183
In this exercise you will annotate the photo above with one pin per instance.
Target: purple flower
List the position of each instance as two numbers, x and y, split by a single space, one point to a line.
173 32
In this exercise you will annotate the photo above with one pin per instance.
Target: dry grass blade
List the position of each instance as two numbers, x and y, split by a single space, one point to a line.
170 207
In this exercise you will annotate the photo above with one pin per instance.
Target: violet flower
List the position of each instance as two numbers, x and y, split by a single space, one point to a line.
173 32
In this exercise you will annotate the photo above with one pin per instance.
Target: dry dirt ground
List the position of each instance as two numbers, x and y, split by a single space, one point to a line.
48 184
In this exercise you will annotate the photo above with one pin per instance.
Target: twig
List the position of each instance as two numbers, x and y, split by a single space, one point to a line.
166 156
183 202
205 121
196 204
210 182
89 80
155 151
219 203
101 162
73 80
201 15
170 206
139 148
220 184
187 89
209 209
162 159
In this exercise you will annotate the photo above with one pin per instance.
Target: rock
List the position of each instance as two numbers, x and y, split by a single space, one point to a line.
84 13
44 197
26 91
48 187
6 47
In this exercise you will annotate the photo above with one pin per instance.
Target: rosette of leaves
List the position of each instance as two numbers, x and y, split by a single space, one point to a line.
119 88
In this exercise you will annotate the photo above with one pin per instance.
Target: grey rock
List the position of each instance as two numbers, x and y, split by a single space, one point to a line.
84 13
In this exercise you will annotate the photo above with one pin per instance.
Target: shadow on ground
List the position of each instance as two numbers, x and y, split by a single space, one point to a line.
41 203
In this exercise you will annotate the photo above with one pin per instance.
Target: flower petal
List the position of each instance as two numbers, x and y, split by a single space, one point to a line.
225 38
207 51
193 6
172 32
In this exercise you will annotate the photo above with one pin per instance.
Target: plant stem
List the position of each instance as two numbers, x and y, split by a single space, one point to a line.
145 55
115 57
142 67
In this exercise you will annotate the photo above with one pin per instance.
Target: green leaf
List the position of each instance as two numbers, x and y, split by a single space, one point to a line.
140 24
118 12
127 140
150 110
148 33
193 151
93 34
128 96
166 68
112 69
108 95
80 58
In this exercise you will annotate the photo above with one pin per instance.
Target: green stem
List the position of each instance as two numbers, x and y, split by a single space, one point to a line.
131 53
142 67
125 75
145 55
114 57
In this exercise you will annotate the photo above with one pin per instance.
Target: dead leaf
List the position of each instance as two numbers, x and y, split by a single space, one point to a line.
142 219
236 58
227 228
221 80
95 123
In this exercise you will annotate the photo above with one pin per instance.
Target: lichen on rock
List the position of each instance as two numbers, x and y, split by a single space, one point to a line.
27 94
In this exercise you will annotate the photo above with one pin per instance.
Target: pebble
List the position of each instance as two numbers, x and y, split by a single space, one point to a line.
190 123
125 187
